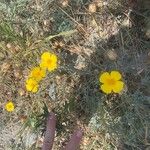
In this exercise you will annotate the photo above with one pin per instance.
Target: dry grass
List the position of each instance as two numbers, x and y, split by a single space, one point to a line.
88 38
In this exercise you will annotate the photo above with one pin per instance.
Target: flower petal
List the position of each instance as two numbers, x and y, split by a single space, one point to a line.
104 77
28 87
54 58
50 63
37 73
31 84
118 87
52 67
43 73
45 56
35 89
43 65
106 89
115 75
9 107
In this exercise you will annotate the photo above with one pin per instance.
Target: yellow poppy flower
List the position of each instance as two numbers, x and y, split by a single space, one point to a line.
32 85
37 73
48 61
111 82
9 106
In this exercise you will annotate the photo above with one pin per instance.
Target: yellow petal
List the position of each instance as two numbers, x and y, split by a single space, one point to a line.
118 87
54 58
106 89
43 65
31 84
31 81
52 67
104 77
27 81
35 89
43 73
45 56
115 75
28 87
35 69
50 63
37 73
9 106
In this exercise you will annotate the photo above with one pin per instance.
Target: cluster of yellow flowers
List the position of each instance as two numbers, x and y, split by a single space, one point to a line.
48 62
111 82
